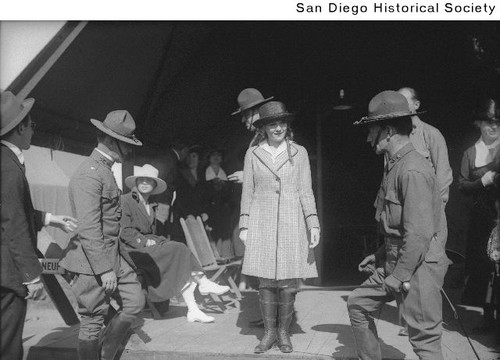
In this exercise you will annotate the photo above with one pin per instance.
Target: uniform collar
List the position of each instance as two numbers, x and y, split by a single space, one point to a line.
101 157
18 152
416 123
399 155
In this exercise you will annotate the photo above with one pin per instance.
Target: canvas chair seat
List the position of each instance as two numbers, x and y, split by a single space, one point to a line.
199 244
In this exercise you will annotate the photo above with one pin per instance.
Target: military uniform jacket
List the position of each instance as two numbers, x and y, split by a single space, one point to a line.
278 208
20 224
95 202
409 210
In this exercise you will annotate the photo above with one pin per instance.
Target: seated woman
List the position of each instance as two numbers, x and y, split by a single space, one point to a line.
168 267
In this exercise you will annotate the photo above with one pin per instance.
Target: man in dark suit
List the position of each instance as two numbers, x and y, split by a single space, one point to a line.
20 268
102 269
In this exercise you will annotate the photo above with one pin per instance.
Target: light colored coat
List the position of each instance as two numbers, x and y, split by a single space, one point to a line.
278 209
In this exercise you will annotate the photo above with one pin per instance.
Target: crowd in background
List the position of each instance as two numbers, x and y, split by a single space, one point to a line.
193 181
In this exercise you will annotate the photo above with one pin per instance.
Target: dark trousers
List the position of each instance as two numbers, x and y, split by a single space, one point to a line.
13 311
93 302
421 309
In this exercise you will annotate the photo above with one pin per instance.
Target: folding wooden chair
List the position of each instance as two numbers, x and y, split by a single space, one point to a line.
199 244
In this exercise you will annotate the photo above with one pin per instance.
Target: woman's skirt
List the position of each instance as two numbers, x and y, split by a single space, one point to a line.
165 268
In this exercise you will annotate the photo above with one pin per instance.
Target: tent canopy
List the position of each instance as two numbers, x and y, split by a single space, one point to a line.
181 79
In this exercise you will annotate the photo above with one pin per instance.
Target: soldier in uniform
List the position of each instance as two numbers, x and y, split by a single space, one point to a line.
102 268
408 212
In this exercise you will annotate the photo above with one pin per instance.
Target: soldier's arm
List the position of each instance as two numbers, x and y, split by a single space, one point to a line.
417 192
441 162
87 192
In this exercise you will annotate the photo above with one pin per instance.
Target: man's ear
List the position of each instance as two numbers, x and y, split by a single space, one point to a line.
390 131
21 128
416 103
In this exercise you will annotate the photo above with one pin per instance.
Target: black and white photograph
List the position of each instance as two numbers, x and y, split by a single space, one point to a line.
317 183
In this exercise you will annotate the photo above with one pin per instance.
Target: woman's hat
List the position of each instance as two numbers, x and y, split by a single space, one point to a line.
250 98
271 112
147 171
487 109
385 106
120 125
13 111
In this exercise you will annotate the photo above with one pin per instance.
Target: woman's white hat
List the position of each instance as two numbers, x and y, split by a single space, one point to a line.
147 171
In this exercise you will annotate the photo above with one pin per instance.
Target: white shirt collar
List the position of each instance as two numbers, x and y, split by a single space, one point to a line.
15 150
105 155
275 152
483 153
210 174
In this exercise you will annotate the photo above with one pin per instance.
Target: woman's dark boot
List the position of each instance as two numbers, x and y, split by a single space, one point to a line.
268 300
285 309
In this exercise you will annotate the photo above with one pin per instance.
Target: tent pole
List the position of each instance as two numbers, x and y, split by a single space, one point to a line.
40 73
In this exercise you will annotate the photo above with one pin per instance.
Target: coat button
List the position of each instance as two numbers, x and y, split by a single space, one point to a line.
277 178
277 192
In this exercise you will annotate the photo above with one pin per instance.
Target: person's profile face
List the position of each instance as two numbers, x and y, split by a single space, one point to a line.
126 151
374 138
145 185
413 103
27 133
215 158
248 117
193 160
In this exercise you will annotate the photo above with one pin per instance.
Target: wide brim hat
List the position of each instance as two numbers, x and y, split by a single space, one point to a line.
147 171
13 111
387 105
120 125
271 112
250 98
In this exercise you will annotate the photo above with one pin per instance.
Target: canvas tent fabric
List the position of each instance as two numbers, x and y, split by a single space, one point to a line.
48 173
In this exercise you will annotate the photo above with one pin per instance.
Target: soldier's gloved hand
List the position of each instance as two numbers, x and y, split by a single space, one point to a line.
109 281
393 284
368 264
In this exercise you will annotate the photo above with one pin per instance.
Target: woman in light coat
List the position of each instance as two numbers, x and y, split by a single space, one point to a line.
278 221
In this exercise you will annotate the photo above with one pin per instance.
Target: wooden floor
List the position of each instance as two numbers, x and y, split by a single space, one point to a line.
322 331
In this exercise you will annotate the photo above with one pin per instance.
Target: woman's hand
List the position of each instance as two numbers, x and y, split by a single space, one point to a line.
236 177
314 237
488 178
243 235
